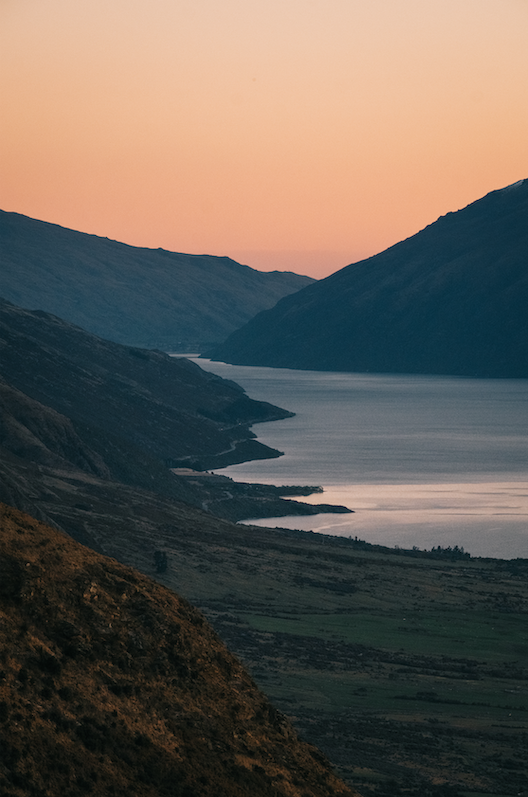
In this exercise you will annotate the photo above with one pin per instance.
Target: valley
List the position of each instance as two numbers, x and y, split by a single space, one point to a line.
406 667
408 672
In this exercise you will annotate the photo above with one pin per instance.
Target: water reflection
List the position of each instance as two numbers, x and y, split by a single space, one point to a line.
422 460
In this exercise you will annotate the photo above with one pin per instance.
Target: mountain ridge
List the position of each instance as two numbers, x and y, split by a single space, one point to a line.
448 300
119 390
150 298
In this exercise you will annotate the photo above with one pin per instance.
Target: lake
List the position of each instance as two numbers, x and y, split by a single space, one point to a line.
422 460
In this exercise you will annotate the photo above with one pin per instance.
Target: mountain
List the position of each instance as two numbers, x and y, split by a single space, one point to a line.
129 403
451 299
149 298
111 684
76 408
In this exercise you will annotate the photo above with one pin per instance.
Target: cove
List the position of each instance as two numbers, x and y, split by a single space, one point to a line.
422 460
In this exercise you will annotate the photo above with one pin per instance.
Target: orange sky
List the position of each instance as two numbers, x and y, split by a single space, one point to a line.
291 134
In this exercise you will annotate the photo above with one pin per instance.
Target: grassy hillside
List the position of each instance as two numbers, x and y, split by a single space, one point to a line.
110 684
407 669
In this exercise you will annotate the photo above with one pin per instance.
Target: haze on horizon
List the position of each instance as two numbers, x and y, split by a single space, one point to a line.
293 134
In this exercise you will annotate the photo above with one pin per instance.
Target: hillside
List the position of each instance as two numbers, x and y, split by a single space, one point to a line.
450 300
149 298
85 408
110 684
130 402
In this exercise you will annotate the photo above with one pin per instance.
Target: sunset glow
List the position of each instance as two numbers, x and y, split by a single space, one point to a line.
291 134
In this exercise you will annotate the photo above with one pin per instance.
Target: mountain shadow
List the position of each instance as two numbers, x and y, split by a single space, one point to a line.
451 299
149 298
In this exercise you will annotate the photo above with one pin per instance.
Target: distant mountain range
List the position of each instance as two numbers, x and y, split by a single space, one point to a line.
452 299
150 298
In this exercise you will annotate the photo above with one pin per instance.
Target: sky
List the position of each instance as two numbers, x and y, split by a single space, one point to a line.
288 134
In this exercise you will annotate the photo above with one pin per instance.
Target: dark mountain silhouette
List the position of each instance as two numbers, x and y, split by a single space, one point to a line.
452 299
111 684
130 402
150 298
76 407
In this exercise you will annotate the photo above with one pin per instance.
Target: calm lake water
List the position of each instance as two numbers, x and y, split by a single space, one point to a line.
422 460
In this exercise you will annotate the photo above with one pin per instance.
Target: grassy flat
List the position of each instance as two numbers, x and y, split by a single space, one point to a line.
409 672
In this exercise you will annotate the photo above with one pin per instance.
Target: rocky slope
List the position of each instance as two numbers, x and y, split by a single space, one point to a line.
143 297
450 300
110 684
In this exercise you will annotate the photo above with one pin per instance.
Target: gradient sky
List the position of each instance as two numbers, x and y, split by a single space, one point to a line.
291 134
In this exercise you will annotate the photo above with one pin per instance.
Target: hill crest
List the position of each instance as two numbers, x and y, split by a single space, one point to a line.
449 300
151 298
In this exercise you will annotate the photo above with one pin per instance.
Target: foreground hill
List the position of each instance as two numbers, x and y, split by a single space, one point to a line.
113 685
450 300
150 298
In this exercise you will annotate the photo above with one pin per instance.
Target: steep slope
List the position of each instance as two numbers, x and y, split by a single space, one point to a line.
129 403
39 434
143 297
78 410
450 300
113 685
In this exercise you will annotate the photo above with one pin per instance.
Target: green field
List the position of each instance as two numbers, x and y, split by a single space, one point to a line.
409 672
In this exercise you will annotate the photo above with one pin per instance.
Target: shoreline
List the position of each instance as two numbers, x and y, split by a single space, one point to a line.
237 501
